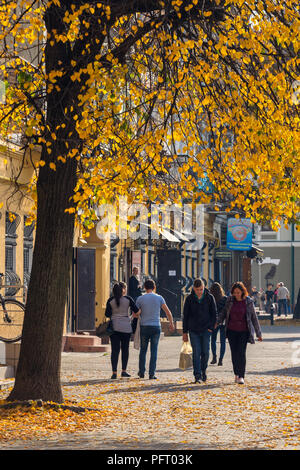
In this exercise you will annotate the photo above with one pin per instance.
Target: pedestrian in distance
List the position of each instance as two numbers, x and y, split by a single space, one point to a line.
254 296
119 308
134 288
283 296
134 291
217 291
199 318
241 323
276 298
269 298
261 299
150 305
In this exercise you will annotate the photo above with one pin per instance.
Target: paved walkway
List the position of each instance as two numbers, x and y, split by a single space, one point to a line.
173 413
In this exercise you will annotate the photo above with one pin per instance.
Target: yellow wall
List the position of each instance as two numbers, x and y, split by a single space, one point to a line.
102 270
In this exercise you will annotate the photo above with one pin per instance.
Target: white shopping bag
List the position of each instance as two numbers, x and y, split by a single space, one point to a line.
136 339
186 356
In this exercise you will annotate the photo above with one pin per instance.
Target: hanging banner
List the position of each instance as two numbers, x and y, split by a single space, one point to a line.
239 234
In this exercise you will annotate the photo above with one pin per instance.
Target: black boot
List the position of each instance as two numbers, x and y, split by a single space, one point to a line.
220 363
214 361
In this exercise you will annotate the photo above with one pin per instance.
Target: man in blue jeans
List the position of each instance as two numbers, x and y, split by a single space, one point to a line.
282 298
199 318
150 305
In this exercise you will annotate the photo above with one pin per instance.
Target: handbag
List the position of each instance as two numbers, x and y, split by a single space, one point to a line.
105 329
186 356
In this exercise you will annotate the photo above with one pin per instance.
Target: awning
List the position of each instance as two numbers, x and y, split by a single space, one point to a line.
255 252
177 237
181 236
169 236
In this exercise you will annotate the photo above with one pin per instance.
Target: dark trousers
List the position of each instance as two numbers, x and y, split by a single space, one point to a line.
200 346
221 329
238 344
119 341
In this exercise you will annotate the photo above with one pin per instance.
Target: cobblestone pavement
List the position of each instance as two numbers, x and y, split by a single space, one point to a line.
177 414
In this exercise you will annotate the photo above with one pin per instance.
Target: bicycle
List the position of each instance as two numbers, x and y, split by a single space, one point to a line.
12 317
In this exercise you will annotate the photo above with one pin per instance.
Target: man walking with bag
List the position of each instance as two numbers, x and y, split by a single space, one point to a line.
199 318
150 305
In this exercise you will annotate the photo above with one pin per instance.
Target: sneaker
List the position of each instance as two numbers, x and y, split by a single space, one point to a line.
124 374
236 379
220 363
197 380
152 377
214 361
141 376
204 376
114 376
241 380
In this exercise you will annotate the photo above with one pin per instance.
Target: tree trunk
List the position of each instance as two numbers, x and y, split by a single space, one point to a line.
38 372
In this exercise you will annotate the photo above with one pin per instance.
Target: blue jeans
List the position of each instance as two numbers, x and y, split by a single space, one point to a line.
221 329
282 304
200 345
148 334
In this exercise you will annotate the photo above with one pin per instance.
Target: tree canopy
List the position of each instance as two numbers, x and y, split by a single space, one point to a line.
151 89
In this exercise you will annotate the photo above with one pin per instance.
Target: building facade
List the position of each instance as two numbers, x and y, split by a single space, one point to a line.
16 236
281 259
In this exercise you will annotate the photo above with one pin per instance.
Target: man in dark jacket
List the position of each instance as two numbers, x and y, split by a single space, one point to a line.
199 318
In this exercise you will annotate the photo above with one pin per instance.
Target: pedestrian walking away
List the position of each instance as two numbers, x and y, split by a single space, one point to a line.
217 291
199 318
241 323
119 308
150 305
283 296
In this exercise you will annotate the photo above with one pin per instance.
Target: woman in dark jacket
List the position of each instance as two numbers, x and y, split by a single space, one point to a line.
240 323
119 308
217 291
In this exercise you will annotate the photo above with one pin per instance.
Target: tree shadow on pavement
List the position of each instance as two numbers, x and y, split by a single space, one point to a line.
153 387
88 382
288 372
98 440
283 339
